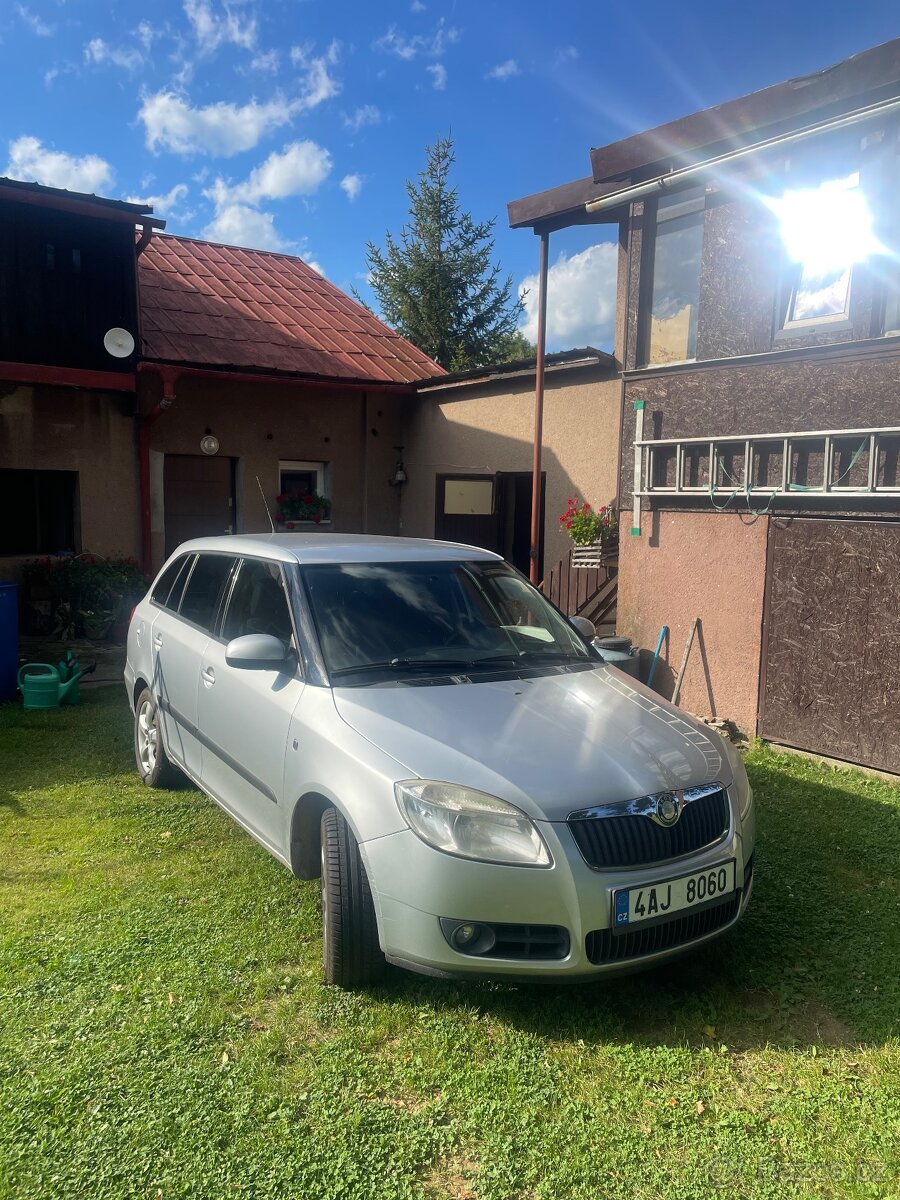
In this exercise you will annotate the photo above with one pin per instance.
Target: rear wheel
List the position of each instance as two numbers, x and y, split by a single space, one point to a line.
149 753
351 953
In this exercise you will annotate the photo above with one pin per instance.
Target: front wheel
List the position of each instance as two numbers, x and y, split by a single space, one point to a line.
351 952
149 753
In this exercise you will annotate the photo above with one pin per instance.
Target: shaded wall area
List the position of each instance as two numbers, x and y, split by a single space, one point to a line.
706 565
91 433
486 427
356 433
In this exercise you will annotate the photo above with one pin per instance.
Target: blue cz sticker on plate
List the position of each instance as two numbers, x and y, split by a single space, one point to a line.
621 908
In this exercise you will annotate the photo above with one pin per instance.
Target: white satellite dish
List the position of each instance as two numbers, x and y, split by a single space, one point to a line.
118 342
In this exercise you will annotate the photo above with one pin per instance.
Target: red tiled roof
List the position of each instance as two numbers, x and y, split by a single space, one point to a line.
224 306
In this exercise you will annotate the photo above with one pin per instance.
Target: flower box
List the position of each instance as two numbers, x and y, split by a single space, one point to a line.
598 554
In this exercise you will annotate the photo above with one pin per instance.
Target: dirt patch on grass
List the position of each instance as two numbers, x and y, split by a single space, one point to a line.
451 1179
819 1025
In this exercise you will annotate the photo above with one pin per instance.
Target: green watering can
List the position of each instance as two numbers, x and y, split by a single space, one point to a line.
45 686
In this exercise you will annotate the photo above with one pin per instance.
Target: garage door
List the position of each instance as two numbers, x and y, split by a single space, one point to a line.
831 652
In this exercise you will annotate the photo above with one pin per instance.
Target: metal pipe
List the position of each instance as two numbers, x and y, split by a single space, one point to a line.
169 376
539 409
683 174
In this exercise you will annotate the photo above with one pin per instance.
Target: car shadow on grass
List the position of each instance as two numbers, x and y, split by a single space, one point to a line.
813 962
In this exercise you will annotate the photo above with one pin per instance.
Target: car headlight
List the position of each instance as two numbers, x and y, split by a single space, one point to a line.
471 824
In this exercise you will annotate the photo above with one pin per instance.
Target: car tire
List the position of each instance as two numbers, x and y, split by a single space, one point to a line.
150 756
351 952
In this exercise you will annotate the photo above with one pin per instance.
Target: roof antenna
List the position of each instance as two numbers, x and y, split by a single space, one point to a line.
266 503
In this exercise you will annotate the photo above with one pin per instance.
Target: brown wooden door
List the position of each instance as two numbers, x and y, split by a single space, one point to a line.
199 497
831 653
467 510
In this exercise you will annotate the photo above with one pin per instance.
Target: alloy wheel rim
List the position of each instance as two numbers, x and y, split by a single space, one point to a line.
147 738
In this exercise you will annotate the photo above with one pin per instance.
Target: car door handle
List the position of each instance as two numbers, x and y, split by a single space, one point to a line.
157 641
208 676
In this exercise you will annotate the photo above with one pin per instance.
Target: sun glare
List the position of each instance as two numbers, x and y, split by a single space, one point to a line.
828 227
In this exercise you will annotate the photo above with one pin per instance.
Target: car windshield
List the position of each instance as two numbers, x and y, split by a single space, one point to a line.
378 621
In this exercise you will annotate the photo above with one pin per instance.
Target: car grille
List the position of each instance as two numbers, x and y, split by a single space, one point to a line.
604 946
635 840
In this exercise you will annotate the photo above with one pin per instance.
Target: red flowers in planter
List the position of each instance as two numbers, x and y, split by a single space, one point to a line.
586 525
294 507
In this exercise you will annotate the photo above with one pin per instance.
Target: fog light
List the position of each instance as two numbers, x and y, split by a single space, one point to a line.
465 935
468 937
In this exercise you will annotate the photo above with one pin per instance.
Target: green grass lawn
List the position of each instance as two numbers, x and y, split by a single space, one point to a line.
164 1031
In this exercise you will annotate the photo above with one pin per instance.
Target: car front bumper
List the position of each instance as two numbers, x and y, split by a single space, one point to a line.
404 870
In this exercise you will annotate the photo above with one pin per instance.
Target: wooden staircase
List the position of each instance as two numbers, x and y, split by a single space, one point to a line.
585 592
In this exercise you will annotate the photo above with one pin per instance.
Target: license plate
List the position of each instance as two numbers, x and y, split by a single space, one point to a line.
655 901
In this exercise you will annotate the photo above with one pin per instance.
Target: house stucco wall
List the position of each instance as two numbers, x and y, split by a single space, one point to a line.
707 565
485 427
355 432
64 429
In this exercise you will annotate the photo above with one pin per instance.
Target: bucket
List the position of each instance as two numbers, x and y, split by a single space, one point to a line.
39 685
619 652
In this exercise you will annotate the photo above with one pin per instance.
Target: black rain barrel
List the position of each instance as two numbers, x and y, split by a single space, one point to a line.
9 640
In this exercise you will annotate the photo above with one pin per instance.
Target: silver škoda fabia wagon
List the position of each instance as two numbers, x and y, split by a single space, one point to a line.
416 724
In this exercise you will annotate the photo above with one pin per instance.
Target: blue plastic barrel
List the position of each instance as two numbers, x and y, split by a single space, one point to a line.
9 640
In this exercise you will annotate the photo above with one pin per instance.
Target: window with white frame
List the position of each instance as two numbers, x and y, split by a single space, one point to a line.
304 492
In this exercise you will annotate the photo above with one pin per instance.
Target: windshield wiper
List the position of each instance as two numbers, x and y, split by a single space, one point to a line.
458 666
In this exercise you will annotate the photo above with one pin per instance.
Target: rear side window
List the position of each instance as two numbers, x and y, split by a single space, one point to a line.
168 588
258 603
203 594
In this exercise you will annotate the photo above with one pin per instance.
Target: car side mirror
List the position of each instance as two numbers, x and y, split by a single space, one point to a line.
584 627
256 651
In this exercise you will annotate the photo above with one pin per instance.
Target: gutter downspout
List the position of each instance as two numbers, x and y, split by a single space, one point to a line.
169 376
539 410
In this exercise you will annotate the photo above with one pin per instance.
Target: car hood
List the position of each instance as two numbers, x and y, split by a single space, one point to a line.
550 745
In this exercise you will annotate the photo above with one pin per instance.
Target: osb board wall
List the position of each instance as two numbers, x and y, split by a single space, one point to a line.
832 653
689 565
738 282
744 280
763 398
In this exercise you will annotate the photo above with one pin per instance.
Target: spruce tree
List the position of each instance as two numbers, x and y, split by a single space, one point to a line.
436 284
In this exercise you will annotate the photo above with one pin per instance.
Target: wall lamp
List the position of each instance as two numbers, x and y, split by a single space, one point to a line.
399 476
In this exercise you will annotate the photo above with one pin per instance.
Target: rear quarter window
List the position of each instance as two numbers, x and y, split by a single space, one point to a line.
168 588
205 589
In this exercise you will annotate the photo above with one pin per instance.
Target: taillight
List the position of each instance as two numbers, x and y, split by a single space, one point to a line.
133 611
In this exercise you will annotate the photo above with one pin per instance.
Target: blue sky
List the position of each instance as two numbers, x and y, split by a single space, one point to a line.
293 124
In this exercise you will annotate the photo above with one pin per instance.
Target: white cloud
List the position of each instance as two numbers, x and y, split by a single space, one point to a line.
146 34
99 52
504 71
581 299
222 128
267 62
417 6
352 185
38 27
240 225
438 74
166 202
298 170
30 160
564 54
368 114
318 84
409 47
213 29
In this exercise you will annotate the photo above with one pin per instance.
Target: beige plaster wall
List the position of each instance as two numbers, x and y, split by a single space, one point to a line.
64 429
355 432
489 427
707 565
